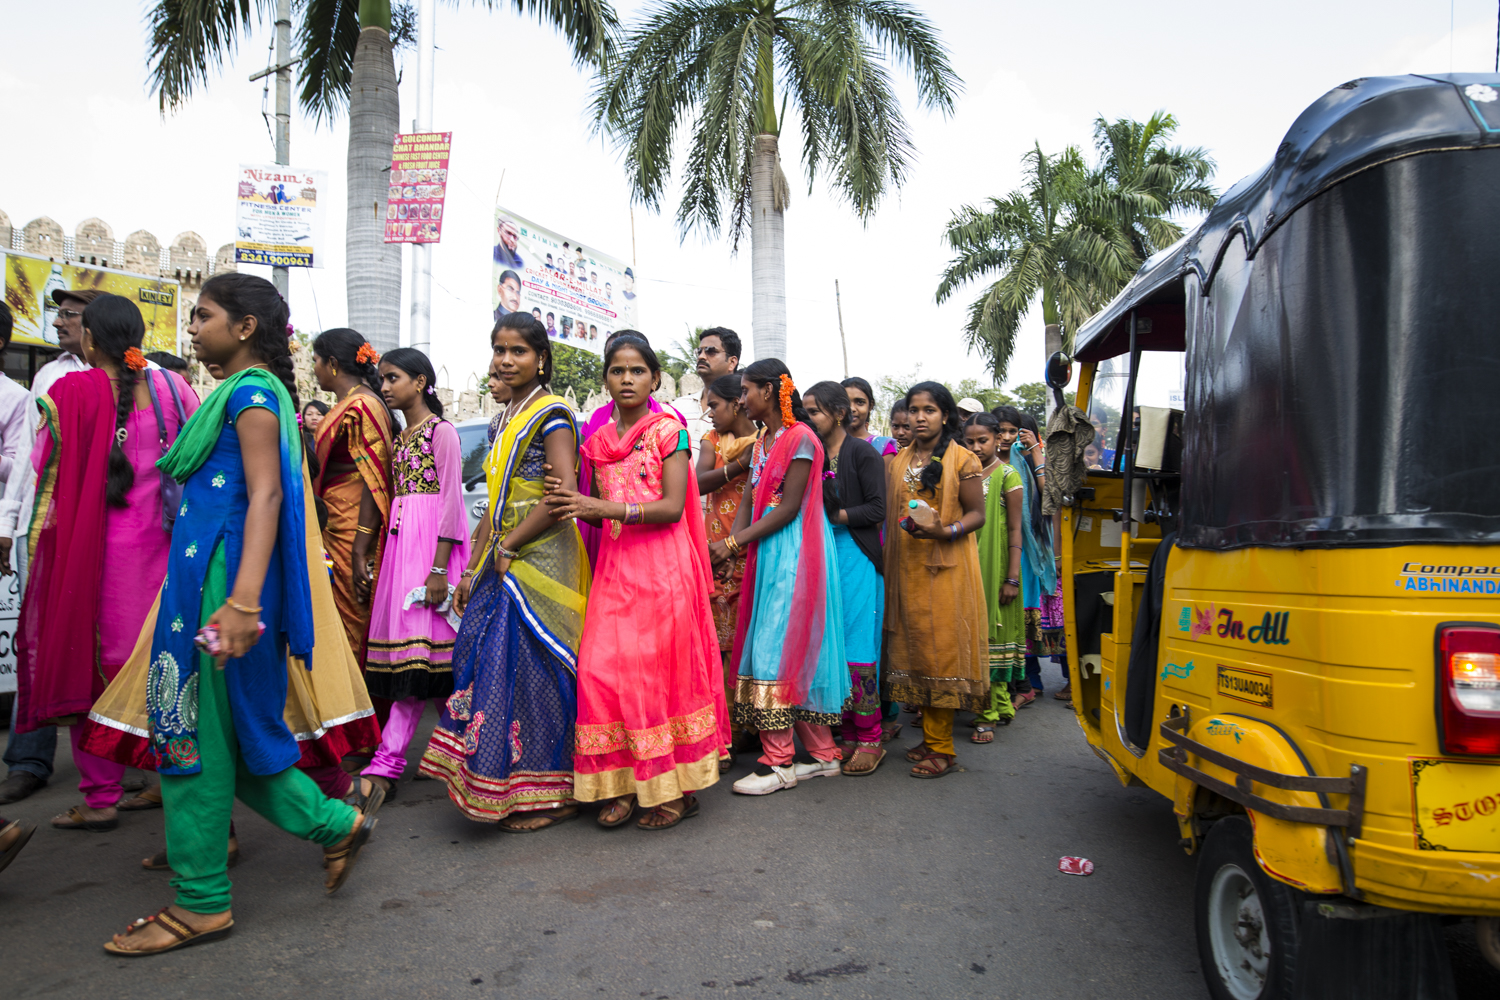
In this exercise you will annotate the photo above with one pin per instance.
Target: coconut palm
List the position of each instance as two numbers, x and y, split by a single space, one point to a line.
346 48
1146 181
723 72
1073 235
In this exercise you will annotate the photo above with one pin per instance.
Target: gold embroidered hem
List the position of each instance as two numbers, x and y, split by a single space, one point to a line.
665 787
912 691
759 705
647 743
486 799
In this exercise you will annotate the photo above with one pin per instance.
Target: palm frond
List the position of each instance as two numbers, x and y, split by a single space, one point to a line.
590 27
189 39
326 40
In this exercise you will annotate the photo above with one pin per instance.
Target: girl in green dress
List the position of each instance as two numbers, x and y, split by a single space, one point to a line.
1000 566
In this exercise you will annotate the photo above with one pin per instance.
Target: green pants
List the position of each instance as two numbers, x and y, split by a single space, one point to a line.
1000 706
198 807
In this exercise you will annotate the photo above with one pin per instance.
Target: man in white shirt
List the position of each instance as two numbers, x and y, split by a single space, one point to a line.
718 355
29 755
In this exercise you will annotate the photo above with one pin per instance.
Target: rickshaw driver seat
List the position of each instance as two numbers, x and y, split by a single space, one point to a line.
1140 678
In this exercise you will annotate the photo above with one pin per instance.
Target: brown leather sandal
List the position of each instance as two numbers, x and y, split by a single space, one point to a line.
182 934
687 810
627 801
935 766
918 752
348 853
148 799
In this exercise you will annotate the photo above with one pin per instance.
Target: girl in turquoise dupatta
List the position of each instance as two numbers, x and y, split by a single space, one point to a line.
504 743
238 557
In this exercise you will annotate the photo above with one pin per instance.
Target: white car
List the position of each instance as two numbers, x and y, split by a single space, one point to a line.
473 439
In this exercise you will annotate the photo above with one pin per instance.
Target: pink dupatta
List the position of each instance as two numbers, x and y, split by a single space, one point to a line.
601 416
57 644
804 636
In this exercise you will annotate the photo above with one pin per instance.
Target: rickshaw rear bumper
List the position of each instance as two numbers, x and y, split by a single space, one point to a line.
1457 882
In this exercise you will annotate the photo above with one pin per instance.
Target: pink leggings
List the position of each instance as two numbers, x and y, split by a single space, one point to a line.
395 737
780 749
99 779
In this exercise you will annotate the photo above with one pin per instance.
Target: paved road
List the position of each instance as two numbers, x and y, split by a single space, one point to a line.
880 887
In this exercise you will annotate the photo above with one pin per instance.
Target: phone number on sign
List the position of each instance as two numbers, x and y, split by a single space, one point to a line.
274 259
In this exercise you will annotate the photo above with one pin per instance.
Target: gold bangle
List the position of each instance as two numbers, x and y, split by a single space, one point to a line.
362 528
731 544
236 605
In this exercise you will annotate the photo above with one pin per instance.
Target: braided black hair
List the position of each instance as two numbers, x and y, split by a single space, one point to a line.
242 295
535 334
932 474
417 365
114 324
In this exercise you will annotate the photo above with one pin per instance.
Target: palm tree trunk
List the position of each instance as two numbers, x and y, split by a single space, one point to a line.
767 250
373 267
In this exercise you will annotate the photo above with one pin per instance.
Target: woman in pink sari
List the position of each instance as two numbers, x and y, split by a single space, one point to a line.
651 714
99 540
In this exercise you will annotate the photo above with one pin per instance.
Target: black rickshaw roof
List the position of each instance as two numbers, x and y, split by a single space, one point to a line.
1352 128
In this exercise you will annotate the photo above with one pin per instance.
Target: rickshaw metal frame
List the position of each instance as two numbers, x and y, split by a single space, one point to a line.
1174 759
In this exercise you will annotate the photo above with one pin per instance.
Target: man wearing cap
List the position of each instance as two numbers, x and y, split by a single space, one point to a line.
968 406
29 755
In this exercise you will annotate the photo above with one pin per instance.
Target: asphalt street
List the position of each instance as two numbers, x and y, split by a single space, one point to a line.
876 887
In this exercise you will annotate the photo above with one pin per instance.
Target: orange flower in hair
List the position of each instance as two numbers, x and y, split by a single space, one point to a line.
134 359
367 355
787 419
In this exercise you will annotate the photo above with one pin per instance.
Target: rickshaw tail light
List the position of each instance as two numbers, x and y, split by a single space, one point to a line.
1469 696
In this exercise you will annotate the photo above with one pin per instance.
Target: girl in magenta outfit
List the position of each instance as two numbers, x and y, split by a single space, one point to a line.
651 714
98 542
410 658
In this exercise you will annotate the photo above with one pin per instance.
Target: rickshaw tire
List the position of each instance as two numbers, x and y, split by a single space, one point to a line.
1231 842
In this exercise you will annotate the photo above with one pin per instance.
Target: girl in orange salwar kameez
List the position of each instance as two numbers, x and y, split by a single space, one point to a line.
354 473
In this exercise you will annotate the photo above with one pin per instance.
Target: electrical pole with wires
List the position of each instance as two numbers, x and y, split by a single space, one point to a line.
280 275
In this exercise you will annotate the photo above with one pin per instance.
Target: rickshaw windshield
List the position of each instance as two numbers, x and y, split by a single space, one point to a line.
1159 383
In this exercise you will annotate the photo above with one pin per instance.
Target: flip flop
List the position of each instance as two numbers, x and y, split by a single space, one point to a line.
349 854
983 734
690 809
77 822
183 934
148 799
554 821
879 759
27 829
611 825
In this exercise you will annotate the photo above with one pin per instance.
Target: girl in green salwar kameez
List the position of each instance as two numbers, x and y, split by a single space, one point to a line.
1000 566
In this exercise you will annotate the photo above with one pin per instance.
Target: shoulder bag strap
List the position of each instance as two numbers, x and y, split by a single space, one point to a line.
161 424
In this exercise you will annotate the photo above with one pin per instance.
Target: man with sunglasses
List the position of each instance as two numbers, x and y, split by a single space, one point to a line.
718 354
29 755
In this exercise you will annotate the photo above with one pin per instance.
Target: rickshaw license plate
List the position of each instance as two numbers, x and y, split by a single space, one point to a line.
1455 804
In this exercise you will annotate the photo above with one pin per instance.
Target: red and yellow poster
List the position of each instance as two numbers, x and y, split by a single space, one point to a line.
419 183
30 281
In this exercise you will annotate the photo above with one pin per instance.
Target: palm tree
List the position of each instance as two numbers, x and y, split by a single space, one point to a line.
726 70
347 59
1074 235
1148 181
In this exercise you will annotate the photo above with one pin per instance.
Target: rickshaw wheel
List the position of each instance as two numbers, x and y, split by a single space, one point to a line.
1246 920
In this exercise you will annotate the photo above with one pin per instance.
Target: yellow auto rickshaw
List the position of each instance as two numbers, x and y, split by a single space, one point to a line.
1281 567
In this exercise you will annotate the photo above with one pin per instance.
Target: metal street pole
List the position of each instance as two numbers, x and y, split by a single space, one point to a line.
421 253
280 275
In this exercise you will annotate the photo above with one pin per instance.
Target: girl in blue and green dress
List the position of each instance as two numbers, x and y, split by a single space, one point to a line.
237 565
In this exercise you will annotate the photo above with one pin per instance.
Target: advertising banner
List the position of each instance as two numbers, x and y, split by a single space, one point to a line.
277 218
30 281
579 293
419 182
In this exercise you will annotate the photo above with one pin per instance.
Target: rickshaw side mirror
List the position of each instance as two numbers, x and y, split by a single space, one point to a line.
1059 371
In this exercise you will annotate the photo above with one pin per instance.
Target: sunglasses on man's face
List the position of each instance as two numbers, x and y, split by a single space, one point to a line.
708 351
69 313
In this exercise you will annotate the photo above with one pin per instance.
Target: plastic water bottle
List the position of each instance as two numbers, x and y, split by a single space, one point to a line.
922 515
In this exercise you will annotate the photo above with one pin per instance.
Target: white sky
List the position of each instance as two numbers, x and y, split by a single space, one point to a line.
87 140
